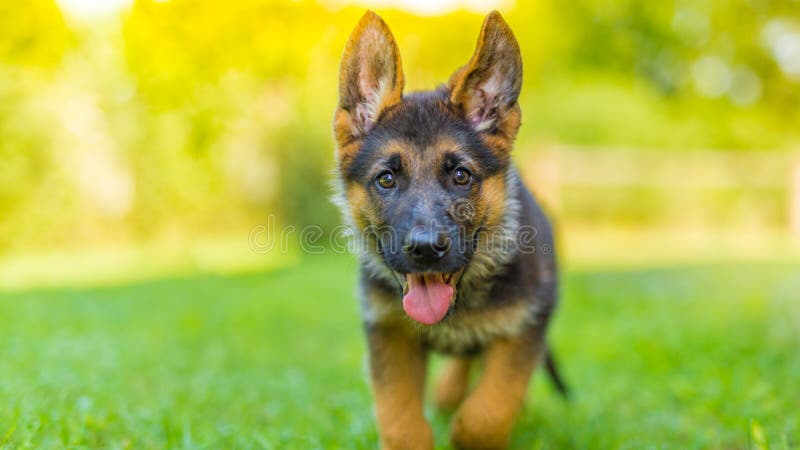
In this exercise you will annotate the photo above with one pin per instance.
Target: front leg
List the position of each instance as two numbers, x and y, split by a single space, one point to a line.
486 418
397 365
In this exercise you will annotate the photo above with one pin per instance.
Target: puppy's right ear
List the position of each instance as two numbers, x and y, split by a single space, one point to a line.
486 90
370 79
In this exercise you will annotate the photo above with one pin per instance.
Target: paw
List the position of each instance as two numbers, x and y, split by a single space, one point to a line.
447 398
408 437
479 426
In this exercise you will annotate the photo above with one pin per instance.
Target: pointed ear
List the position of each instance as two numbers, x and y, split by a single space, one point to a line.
370 78
487 88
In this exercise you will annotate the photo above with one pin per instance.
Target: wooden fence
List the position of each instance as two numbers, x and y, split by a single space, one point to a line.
698 187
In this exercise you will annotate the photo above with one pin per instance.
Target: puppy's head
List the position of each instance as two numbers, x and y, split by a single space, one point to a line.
424 174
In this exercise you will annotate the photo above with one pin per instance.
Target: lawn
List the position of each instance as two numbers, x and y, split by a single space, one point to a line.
691 356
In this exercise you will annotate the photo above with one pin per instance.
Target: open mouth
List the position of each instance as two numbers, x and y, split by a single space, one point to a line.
428 296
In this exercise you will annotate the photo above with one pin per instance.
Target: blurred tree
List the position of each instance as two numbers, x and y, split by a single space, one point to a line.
33 40
33 33
201 117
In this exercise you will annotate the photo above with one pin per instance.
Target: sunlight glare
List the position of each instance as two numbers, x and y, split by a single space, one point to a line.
430 7
89 9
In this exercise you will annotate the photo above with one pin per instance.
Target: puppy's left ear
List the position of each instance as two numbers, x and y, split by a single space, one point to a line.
370 79
487 88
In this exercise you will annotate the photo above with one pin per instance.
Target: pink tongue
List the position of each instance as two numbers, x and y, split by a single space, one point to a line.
428 298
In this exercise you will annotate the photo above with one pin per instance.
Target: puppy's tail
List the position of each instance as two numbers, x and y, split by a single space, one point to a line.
554 375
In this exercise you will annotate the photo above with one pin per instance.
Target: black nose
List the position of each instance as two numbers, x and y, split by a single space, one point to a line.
426 247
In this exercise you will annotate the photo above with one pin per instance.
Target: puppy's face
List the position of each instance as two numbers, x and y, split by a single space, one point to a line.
425 174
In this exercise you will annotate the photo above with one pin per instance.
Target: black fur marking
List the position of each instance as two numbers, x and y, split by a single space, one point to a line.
420 121
395 163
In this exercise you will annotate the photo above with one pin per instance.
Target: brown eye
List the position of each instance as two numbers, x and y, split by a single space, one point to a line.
461 176
386 180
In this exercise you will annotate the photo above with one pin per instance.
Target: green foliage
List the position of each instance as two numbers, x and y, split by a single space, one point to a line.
33 40
689 357
33 34
190 117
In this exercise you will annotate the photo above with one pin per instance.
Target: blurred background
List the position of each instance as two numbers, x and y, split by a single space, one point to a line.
182 122
145 140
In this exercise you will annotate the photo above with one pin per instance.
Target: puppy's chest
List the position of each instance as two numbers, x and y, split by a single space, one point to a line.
474 322
468 330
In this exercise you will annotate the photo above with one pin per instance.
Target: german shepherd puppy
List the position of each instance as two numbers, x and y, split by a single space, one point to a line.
456 255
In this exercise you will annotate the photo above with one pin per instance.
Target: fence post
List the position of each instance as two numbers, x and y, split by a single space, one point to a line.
794 199
540 171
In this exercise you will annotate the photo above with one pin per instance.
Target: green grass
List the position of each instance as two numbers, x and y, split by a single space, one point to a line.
685 357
